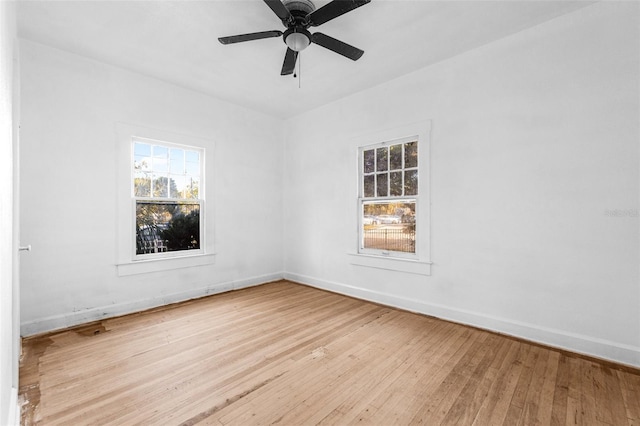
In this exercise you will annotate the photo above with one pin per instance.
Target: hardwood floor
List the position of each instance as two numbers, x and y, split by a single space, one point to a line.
287 354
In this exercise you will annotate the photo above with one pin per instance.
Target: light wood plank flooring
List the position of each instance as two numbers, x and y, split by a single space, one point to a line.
287 354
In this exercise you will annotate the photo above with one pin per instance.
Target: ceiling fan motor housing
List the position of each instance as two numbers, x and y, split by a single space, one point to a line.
299 7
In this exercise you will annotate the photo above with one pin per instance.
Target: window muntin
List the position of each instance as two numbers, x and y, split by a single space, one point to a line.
390 170
167 188
389 198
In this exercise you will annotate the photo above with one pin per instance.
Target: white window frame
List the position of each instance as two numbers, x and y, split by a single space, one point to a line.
125 204
200 201
414 263
362 200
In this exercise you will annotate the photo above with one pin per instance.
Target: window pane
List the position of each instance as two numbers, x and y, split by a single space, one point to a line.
163 227
141 184
411 182
395 184
381 159
192 163
176 161
160 187
176 186
141 163
395 157
142 149
410 155
389 226
369 186
382 185
141 156
192 187
193 168
160 155
193 156
368 162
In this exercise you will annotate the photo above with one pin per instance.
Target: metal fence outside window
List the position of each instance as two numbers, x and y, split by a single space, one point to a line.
403 240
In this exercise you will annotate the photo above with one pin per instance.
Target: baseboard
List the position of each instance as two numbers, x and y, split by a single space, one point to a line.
587 345
13 416
57 322
577 343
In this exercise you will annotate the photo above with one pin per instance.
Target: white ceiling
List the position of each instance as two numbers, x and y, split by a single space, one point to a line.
176 41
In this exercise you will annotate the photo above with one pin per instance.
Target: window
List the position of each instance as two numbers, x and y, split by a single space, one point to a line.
166 185
389 198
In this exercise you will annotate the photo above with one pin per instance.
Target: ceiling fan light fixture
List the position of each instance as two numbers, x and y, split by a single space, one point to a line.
297 39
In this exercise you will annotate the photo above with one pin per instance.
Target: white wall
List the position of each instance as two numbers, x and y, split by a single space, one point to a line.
9 316
534 140
70 109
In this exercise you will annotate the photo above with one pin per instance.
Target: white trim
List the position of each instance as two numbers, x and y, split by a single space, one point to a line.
125 220
56 322
14 415
574 342
164 264
410 266
420 131
200 201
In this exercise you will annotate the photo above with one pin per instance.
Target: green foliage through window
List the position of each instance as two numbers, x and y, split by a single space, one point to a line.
166 227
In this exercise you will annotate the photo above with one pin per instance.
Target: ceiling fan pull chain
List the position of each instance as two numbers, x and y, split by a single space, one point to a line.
299 70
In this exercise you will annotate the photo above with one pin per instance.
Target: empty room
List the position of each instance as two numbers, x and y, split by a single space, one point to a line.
301 212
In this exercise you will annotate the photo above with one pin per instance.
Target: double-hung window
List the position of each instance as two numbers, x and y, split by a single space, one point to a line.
167 189
389 198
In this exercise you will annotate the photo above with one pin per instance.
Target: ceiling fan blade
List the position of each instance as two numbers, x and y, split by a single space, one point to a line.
337 46
289 63
332 10
279 9
249 37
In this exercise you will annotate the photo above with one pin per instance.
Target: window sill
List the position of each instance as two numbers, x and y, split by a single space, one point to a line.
164 264
391 264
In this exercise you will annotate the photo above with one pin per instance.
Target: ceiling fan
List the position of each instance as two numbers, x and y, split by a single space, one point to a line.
297 16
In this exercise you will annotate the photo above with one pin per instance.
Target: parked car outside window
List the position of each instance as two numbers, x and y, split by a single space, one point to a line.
370 220
388 219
